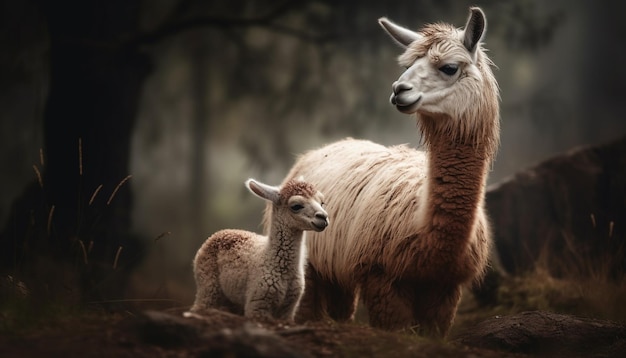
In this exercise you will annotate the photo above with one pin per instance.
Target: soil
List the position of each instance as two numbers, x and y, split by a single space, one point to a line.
522 322
220 334
161 334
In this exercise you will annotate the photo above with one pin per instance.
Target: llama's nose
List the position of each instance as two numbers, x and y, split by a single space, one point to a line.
398 87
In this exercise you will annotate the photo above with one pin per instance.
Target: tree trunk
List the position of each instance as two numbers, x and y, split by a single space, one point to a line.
199 181
95 87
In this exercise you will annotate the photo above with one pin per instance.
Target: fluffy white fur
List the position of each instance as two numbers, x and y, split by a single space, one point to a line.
260 276
410 226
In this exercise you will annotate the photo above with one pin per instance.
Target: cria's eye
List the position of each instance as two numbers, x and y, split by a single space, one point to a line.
296 207
449 69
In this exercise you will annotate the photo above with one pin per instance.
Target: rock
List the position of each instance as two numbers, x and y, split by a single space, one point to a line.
250 341
567 213
214 334
167 330
548 334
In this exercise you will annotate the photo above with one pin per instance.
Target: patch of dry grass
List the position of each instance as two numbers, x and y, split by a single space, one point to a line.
538 290
584 296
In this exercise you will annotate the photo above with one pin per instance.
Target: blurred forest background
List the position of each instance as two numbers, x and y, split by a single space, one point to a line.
192 97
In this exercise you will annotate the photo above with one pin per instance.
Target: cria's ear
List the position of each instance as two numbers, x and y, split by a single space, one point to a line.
474 29
263 191
402 36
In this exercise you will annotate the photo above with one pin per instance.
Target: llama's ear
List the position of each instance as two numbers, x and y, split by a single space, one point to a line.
474 29
402 36
263 191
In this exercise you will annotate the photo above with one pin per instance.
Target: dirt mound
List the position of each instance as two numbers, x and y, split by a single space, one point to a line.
548 334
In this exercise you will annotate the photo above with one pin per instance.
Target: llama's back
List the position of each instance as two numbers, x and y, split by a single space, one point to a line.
347 172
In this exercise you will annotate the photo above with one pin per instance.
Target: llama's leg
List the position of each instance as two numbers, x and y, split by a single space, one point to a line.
435 308
427 308
323 299
311 308
388 307
340 302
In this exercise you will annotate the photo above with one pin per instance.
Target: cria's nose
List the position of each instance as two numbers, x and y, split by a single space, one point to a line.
321 216
398 87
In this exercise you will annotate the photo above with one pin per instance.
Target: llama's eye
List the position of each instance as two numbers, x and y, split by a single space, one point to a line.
296 207
449 69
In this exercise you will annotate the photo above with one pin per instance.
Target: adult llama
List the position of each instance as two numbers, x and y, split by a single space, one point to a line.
410 226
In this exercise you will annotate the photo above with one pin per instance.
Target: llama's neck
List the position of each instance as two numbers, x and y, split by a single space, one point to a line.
284 246
457 174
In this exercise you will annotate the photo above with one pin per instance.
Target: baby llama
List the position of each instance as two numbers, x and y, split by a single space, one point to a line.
411 227
261 276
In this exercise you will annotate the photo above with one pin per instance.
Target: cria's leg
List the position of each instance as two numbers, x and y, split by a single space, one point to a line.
258 309
209 293
323 298
288 308
262 298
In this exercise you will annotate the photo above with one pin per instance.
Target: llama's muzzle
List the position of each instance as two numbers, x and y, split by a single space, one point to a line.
399 87
404 97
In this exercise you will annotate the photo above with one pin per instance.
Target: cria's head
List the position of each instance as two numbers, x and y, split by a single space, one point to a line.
297 203
297 187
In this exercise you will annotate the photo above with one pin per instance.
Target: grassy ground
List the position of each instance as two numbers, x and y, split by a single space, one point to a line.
29 328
